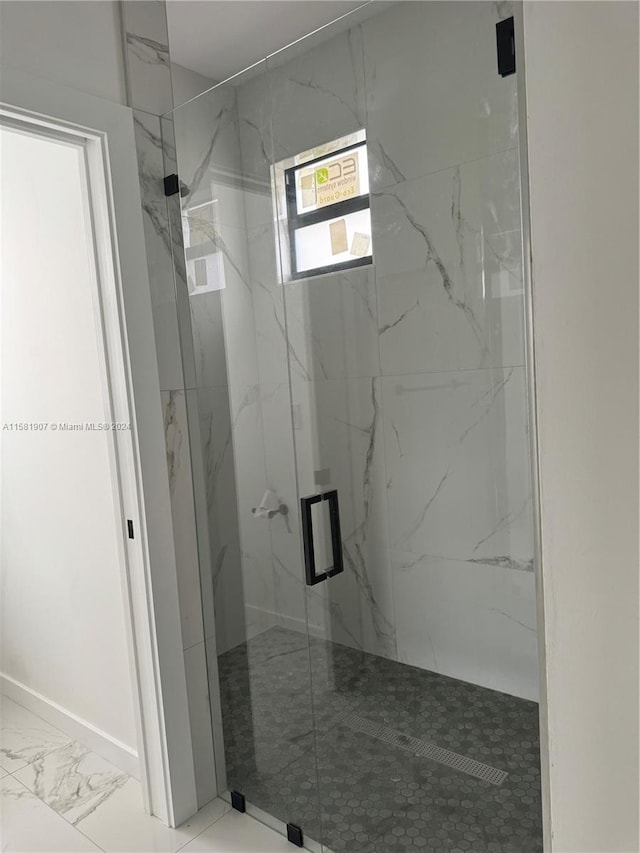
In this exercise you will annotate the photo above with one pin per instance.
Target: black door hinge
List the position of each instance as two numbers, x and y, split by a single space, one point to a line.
130 528
171 185
294 834
506 43
238 801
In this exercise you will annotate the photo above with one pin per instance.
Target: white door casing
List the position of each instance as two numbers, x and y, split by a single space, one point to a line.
122 307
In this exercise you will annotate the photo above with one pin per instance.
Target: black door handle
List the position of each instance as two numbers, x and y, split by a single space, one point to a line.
307 537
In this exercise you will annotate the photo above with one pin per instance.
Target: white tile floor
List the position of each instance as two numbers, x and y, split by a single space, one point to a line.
59 797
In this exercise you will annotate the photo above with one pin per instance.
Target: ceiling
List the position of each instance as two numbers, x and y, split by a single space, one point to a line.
218 39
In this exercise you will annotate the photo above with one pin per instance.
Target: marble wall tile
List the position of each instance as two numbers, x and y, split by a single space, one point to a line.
332 324
320 328
343 419
431 459
295 102
438 100
239 325
158 246
222 507
273 345
185 538
253 94
195 664
212 651
457 466
207 142
285 532
207 326
319 95
473 622
147 55
251 484
199 475
181 285
448 269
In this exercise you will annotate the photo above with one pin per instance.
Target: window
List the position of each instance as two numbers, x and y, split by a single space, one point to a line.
327 205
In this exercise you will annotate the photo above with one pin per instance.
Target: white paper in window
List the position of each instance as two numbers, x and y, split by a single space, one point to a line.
315 247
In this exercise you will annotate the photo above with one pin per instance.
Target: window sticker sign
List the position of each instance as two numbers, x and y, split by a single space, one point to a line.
337 180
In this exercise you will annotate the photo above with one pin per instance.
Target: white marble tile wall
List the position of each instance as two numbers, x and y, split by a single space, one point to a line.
434 97
148 68
407 377
227 373
158 247
431 338
150 94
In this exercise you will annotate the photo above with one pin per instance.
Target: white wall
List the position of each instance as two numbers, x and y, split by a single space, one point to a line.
63 629
76 44
582 90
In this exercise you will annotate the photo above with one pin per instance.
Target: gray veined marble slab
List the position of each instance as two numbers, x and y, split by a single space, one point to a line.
474 622
24 737
457 466
178 444
72 780
448 269
159 249
286 541
207 143
342 419
30 826
200 721
221 497
120 824
332 324
316 97
416 55
147 56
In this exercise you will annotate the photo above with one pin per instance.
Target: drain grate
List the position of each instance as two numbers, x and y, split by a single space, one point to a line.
423 748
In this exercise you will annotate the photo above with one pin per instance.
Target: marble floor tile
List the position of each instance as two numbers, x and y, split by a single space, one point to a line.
120 825
72 780
30 826
63 797
24 737
238 833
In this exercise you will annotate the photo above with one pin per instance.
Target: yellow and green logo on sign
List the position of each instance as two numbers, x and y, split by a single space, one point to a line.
322 175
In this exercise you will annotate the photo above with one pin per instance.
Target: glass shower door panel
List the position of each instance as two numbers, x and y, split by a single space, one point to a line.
334 360
251 576
408 404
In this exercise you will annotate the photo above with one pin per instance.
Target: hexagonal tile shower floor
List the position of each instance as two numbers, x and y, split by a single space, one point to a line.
363 757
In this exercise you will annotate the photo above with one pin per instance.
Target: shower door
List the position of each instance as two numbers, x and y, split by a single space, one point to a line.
238 405
396 183
351 221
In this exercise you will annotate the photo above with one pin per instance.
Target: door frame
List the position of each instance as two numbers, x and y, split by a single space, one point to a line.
122 307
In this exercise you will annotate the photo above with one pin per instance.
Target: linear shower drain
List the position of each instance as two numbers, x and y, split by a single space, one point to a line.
423 748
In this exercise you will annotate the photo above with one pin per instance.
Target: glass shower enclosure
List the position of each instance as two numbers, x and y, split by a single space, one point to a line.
350 217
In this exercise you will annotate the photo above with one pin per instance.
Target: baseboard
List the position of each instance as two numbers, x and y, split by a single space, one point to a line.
110 748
